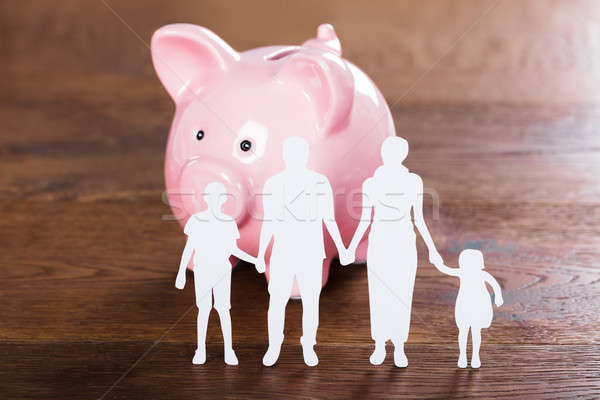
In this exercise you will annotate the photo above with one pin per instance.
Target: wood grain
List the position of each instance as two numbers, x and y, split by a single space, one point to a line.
499 101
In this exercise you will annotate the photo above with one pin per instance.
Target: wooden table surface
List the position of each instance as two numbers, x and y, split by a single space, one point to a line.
499 101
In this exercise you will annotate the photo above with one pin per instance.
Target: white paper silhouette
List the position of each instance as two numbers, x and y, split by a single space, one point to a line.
296 203
473 305
212 238
388 198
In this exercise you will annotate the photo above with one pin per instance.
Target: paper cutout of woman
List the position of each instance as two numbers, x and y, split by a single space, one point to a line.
388 198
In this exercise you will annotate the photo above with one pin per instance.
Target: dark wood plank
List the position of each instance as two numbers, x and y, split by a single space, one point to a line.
344 372
89 370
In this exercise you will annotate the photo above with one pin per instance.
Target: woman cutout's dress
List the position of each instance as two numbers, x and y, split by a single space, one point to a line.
389 196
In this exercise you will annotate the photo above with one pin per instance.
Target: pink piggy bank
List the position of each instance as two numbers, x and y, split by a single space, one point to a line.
234 110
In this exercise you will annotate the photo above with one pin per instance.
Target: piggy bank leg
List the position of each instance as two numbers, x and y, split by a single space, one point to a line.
361 251
295 290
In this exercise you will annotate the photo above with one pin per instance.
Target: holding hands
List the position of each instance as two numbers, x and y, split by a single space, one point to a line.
347 256
435 258
498 300
260 265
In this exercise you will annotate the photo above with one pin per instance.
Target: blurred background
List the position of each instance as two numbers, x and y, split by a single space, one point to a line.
498 99
78 77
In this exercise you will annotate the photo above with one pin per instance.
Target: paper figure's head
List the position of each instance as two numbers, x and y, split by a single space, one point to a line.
394 150
295 152
471 259
215 195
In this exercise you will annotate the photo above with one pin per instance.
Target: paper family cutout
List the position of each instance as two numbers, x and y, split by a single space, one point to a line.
297 202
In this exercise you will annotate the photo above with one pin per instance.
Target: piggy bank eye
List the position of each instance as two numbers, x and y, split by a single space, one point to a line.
200 135
245 145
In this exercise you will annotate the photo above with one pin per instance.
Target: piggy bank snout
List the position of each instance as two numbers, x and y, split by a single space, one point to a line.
194 177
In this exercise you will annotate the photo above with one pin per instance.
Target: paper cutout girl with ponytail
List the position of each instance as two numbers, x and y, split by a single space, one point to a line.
473 305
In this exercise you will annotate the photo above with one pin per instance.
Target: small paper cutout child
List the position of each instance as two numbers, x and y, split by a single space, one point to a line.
473 304
212 238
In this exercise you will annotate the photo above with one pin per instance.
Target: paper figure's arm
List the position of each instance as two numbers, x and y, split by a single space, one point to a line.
447 270
365 219
242 255
266 230
266 234
185 260
329 218
434 256
495 286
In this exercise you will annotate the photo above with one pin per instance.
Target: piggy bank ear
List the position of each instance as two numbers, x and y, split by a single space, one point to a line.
187 57
327 81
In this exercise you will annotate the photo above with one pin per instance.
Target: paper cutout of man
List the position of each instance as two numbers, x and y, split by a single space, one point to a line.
297 202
